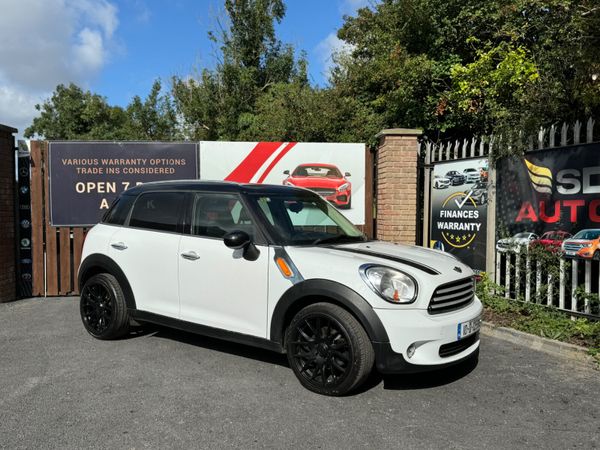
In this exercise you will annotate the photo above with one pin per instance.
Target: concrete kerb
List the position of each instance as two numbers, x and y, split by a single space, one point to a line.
549 346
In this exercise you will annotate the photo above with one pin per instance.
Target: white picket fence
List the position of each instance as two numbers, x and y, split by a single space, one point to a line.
553 136
576 287
573 289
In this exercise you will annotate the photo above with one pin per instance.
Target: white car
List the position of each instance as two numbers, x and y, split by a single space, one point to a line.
471 175
280 268
517 242
440 182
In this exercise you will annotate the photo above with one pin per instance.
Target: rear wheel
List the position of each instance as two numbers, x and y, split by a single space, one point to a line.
103 308
328 349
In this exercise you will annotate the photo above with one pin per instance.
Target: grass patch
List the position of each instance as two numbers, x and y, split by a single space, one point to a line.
537 319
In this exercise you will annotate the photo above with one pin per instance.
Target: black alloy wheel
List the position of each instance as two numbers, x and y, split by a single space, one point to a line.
103 308
321 350
328 350
96 307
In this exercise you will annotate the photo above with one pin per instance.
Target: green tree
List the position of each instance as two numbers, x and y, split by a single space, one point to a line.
151 119
72 113
469 67
221 103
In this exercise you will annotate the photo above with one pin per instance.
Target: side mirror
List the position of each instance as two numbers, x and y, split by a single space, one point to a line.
240 240
347 174
286 172
236 239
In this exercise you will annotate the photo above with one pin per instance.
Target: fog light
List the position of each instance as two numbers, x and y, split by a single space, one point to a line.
411 350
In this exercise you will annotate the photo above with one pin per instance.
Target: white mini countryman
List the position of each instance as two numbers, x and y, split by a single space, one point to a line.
280 268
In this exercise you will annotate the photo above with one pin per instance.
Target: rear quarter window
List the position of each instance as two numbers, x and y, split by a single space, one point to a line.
157 211
118 212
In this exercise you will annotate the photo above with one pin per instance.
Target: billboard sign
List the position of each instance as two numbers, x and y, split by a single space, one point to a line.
553 190
335 171
459 210
85 177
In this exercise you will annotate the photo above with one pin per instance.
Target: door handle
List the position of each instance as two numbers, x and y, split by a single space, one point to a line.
119 246
190 256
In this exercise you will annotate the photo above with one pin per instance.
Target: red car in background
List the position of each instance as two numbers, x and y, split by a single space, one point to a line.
324 179
551 240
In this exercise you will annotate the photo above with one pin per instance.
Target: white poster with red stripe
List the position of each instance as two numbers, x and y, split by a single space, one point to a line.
334 171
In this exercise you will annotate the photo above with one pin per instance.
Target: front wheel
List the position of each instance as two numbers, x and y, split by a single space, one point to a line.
103 308
596 256
328 349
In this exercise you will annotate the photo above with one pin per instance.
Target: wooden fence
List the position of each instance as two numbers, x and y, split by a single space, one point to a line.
56 252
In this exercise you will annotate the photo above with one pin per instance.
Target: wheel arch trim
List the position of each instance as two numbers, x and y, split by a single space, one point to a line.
91 264
305 293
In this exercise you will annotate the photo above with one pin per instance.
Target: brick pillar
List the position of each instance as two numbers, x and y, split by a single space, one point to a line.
397 156
8 266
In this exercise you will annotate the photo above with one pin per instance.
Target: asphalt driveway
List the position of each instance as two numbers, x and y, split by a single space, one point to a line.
60 388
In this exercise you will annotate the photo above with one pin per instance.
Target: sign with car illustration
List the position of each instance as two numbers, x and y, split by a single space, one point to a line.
459 210
334 171
551 198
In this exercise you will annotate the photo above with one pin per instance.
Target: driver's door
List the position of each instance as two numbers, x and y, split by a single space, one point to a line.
217 286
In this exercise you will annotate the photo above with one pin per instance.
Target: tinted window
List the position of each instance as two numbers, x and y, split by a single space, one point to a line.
119 210
157 211
215 215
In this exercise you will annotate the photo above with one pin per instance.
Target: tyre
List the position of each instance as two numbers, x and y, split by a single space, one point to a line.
328 349
596 256
103 308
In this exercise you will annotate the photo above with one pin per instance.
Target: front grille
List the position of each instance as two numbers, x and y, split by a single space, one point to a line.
573 247
454 348
324 192
452 296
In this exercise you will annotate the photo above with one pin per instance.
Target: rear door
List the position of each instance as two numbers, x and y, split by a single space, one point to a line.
218 287
146 250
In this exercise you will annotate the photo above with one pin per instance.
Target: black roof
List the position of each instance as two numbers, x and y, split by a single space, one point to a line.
216 186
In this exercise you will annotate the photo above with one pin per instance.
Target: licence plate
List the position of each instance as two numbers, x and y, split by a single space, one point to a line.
568 253
465 329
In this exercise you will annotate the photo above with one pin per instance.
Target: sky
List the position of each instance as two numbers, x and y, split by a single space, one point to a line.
117 48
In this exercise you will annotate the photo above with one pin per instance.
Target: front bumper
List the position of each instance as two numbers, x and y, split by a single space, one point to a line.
339 198
428 333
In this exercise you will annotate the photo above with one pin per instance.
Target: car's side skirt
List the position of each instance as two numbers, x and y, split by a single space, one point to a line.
240 338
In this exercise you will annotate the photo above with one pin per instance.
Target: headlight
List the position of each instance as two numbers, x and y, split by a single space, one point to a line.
343 187
588 244
390 284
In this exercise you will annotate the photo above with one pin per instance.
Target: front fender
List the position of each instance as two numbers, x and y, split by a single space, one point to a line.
305 292
99 263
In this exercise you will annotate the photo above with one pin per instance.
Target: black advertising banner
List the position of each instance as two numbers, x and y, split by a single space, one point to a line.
85 177
549 190
459 210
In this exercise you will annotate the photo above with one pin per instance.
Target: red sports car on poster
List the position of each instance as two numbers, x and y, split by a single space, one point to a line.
324 179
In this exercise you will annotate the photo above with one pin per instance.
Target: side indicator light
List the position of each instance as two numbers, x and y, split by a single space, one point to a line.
285 269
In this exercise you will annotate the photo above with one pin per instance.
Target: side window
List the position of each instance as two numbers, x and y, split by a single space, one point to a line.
215 215
157 211
118 212
264 205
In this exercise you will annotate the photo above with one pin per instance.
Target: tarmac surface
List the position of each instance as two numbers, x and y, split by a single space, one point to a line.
160 388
